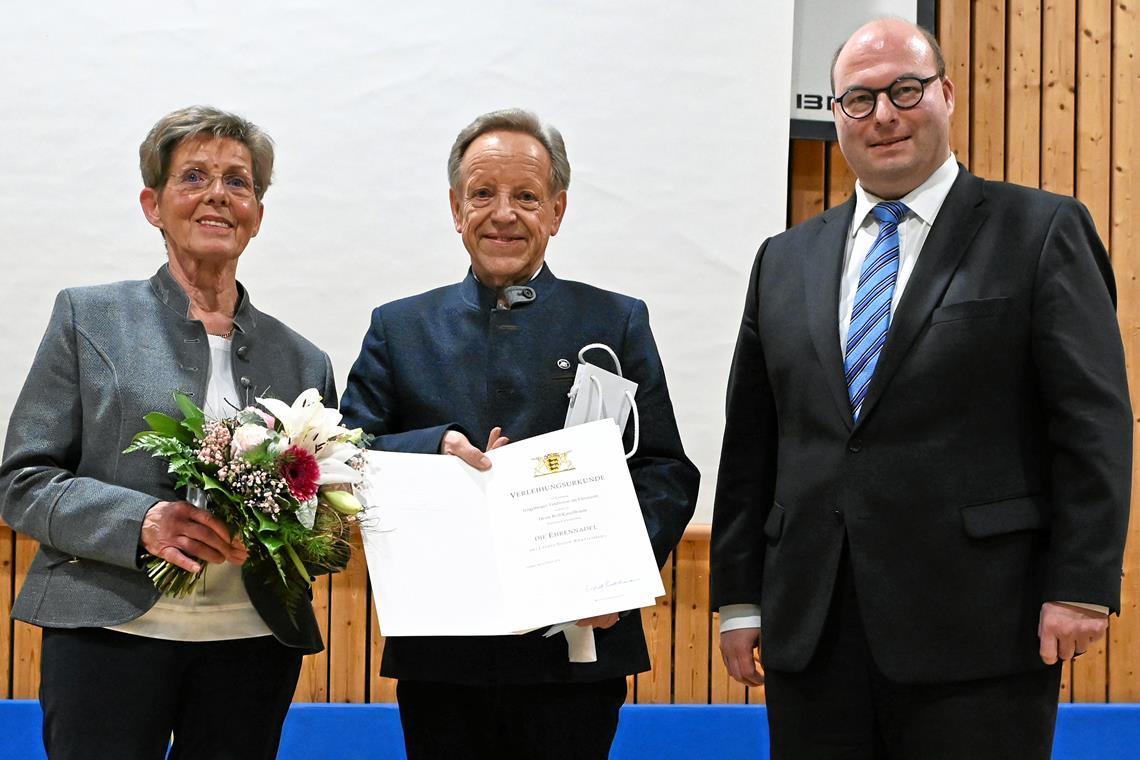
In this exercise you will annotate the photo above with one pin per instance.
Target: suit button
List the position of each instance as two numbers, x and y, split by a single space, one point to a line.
855 446
245 383
242 351
838 514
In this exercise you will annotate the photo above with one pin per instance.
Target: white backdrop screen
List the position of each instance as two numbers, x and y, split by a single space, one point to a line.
675 116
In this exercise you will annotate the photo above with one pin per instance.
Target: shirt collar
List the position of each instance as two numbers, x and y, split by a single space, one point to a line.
924 201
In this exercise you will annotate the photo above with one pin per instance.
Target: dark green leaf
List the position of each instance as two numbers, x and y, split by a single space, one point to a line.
193 417
165 424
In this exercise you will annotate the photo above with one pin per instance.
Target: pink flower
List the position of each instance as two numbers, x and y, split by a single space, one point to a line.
300 470
265 416
246 438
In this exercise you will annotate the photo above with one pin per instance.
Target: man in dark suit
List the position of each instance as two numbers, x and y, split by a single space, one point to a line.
491 356
924 485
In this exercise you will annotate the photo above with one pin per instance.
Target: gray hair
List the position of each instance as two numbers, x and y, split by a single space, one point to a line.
513 120
931 40
204 121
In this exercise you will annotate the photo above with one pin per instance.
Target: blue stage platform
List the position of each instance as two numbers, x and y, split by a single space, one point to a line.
661 732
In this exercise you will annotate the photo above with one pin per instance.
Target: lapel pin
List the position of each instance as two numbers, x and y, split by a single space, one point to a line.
563 364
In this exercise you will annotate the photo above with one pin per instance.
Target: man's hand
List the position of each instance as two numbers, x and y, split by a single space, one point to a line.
599 621
1066 630
184 535
738 648
456 444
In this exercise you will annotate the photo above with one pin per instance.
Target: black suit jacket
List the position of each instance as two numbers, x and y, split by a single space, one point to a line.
448 358
989 470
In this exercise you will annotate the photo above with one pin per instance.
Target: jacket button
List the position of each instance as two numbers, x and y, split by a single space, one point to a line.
838 514
855 446
242 351
245 382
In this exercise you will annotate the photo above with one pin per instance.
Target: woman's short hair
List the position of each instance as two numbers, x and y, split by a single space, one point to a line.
513 120
204 121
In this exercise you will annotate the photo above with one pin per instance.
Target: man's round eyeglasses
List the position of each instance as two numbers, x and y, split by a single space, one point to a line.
904 93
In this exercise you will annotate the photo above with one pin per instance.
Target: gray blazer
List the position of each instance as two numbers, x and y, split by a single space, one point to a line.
111 354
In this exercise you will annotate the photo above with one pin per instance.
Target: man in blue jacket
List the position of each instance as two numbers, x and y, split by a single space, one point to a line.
490 357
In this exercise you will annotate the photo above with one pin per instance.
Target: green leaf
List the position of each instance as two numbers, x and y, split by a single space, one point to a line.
264 522
164 424
193 417
210 483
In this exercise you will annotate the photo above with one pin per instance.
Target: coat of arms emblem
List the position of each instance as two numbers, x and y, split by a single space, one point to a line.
551 463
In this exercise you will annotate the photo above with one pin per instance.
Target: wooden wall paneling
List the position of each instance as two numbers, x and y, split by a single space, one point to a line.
1023 94
1058 97
954 36
756 693
840 178
656 685
380 689
25 638
1094 110
723 690
987 102
805 196
348 629
313 683
1088 676
7 587
691 637
1124 241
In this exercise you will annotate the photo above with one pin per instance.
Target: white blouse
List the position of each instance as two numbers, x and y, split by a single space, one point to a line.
218 608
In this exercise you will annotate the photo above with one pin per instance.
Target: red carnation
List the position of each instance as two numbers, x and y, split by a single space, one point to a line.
300 470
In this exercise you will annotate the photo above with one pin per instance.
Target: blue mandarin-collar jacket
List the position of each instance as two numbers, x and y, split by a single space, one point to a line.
449 358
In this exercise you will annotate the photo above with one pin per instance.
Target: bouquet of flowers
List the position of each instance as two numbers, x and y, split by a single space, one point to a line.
280 477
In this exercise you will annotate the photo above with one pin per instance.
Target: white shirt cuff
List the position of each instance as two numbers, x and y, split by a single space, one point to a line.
734 616
1094 607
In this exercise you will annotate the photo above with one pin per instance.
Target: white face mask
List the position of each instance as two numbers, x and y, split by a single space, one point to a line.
598 393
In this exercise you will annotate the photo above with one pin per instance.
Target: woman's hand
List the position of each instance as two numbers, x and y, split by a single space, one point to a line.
184 536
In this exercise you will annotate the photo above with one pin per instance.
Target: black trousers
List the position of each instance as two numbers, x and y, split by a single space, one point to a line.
843 708
113 695
552 721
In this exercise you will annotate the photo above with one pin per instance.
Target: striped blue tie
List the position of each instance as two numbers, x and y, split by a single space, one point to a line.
871 314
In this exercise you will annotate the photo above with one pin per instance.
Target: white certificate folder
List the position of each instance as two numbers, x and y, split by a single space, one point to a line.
551 533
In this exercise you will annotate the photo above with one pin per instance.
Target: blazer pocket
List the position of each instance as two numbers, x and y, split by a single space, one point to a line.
774 525
985 307
997 518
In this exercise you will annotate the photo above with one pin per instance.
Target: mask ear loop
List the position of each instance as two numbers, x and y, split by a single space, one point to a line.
598 392
603 347
636 425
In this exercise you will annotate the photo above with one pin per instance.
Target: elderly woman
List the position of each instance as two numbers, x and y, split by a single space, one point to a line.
122 667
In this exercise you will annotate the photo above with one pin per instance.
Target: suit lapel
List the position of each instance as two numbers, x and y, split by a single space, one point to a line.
958 221
823 269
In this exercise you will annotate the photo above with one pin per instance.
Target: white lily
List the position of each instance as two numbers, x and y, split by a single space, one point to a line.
333 459
294 418
307 423
317 429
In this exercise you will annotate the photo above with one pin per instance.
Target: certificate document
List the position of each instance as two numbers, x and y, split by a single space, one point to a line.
551 533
